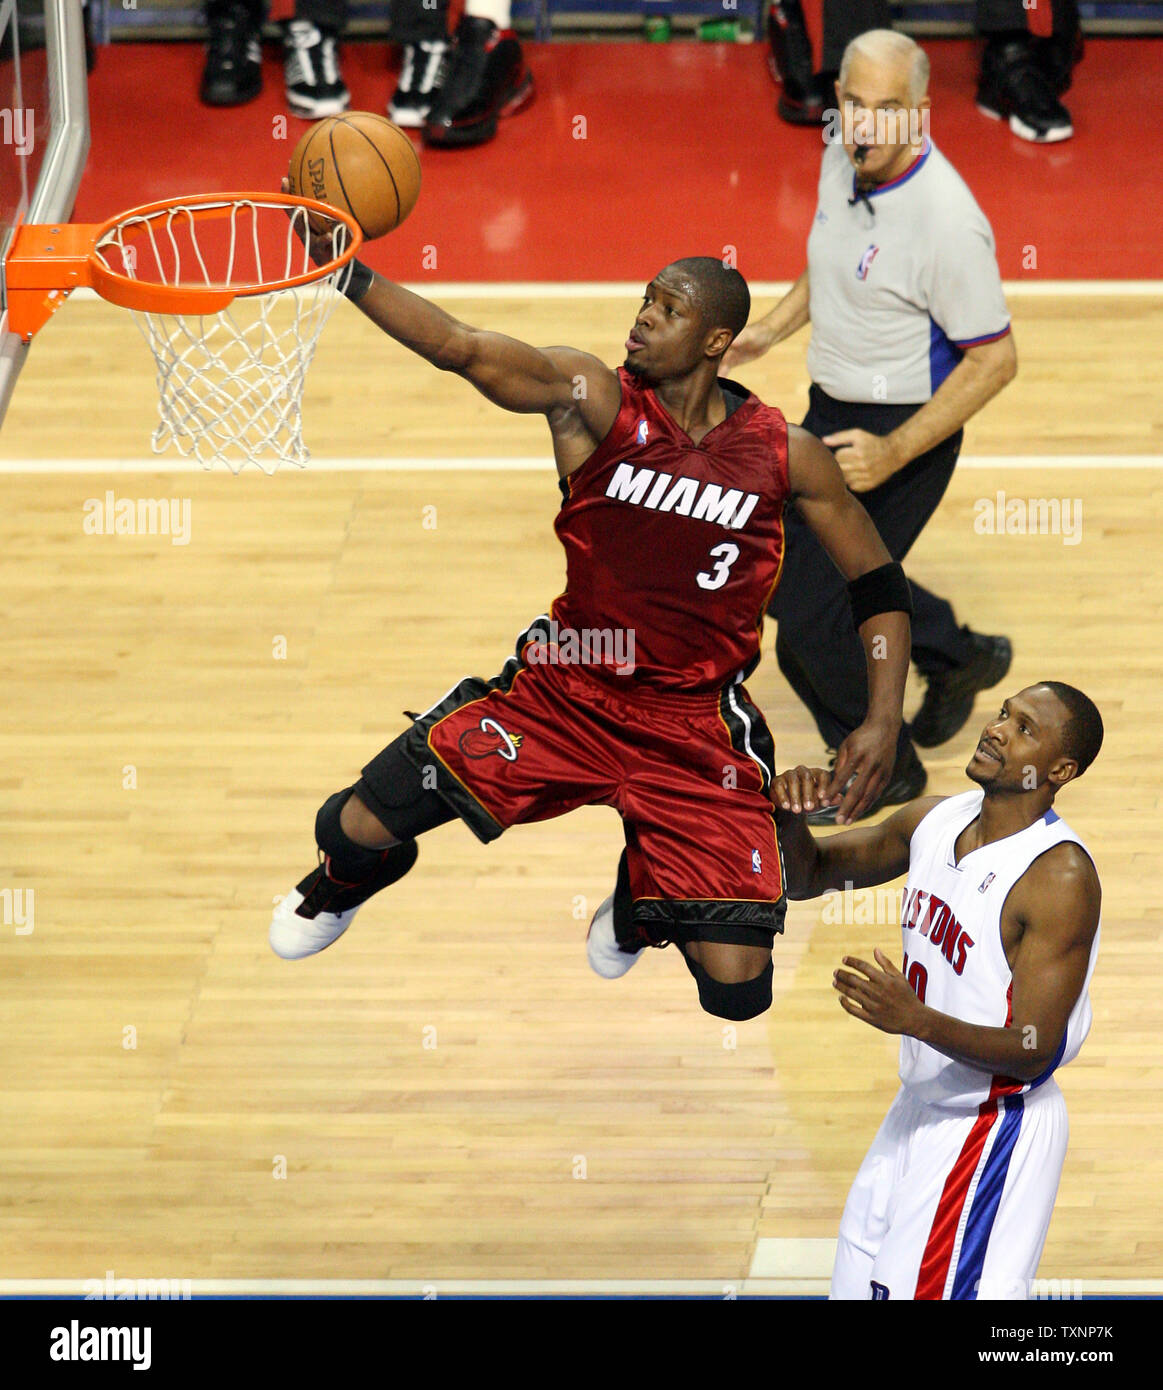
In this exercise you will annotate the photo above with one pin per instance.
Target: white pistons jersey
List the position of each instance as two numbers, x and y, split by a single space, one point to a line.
954 959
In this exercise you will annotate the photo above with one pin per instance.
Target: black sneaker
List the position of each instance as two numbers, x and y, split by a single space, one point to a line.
233 72
487 79
421 77
906 782
805 95
1058 57
314 85
1015 88
948 701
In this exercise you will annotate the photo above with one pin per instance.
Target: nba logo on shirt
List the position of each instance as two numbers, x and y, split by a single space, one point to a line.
866 262
756 862
986 881
643 431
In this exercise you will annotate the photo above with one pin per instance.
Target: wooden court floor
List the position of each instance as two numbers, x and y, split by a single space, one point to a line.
449 1092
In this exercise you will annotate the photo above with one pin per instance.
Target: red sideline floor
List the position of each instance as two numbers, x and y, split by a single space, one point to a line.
634 154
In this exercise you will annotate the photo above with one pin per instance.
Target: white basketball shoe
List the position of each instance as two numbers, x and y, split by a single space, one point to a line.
294 937
606 957
319 910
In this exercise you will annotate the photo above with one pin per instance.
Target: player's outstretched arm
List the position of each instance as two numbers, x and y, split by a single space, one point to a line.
512 374
1058 900
576 390
847 533
833 863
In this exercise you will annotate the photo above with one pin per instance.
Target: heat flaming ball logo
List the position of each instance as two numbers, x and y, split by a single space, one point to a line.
489 738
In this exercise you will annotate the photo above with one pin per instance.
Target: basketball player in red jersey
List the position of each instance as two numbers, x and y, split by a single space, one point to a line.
628 692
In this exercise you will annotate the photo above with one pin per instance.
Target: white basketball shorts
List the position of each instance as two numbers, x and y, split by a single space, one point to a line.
952 1204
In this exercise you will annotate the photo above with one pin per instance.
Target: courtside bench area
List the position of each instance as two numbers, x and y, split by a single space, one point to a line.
115 20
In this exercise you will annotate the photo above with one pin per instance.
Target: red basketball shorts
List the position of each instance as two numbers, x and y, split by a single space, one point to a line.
688 773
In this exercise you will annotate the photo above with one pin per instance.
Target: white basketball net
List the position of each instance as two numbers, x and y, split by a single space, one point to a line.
230 384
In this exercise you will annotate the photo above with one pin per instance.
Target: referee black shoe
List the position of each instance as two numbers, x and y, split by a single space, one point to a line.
948 701
1014 87
906 782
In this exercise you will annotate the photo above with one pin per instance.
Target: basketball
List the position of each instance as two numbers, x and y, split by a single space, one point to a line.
360 163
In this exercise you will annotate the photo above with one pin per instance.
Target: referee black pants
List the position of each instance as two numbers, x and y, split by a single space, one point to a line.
818 649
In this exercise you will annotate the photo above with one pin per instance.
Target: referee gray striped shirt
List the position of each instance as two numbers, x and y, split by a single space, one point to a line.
901 282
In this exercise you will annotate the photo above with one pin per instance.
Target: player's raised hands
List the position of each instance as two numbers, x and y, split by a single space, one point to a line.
864 763
323 246
802 789
881 997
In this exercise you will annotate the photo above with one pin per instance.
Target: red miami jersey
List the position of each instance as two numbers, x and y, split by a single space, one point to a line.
679 543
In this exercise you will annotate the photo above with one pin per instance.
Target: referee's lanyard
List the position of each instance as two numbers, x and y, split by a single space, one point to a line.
861 195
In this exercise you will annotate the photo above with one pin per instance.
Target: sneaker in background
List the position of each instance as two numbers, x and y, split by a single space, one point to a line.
421 77
487 79
315 86
1015 88
233 72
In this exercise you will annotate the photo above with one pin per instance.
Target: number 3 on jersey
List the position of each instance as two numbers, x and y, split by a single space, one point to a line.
725 556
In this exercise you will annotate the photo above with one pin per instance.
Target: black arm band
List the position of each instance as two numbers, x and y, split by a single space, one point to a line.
358 282
883 590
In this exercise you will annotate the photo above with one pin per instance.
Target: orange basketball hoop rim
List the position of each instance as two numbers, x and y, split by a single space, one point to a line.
47 262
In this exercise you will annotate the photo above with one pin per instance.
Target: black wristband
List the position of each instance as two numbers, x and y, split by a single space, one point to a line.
358 281
883 590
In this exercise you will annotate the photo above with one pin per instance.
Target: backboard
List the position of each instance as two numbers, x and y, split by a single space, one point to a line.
44 134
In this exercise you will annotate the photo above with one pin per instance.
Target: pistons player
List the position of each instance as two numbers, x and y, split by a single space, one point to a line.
673 489
1000 920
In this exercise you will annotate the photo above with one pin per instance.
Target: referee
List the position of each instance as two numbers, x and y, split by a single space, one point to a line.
910 337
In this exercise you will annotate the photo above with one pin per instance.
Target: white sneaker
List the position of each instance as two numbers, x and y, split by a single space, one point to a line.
606 957
294 937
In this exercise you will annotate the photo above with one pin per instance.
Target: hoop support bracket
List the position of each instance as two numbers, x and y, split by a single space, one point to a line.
45 264
48 261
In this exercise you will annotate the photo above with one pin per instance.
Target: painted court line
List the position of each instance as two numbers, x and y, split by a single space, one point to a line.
780 1267
96 1289
1001 462
760 289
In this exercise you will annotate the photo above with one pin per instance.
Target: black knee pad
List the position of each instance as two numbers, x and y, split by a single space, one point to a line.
356 872
350 863
748 999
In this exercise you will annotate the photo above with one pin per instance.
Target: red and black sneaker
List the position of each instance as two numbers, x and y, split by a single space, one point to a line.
806 94
486 79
